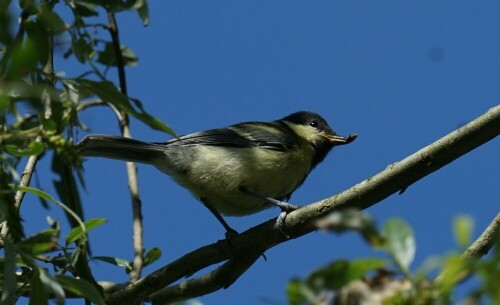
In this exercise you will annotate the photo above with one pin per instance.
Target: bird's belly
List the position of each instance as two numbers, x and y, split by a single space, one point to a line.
219 183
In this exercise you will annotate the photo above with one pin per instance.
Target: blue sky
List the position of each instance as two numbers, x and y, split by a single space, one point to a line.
399 74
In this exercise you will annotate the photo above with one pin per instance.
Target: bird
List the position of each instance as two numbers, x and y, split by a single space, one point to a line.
234 171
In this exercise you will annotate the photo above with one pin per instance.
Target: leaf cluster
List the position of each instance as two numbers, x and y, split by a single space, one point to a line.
39 115
390 280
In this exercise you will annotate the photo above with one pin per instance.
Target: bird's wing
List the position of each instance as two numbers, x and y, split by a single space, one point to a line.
274 136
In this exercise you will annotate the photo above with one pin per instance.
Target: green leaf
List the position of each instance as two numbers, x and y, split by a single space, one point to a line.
294 292
109 93
108 56
488 269
81 288
463 227
43 285
115 6
400 243
33 149
109 5
129 57
49 125
81 264
4 99
76 233
82 49
38 294
143 12
6 20
8 273
23 57
67 189
454 268
39 243
152 256
30 6
46 196
36 31
342 272
52 20
84 9
52 285
115 261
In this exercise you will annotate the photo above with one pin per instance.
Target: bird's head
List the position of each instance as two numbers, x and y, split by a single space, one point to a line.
314 129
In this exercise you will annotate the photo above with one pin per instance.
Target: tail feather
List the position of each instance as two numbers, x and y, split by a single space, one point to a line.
120 148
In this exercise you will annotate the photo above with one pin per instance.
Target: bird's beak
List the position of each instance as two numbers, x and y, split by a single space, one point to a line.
340 140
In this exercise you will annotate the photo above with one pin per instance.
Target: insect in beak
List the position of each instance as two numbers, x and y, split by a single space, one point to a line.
340 140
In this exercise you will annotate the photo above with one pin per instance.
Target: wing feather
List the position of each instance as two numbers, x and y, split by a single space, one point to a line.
275 136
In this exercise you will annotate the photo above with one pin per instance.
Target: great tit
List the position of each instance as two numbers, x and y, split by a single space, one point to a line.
238 170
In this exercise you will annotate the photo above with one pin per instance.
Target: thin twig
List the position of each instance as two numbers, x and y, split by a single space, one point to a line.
477 249
300 222
133 184
48 68
486 241
18 198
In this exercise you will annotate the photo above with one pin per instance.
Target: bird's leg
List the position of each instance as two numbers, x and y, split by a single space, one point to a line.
284 206
229 231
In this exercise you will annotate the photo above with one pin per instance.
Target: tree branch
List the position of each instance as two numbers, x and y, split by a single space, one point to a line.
396 177
133 183
222 277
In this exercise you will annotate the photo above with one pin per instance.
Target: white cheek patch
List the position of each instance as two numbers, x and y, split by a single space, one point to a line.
309 133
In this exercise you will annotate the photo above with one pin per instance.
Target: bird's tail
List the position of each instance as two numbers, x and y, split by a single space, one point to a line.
120 148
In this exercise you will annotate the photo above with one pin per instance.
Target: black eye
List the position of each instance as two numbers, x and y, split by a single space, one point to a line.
313 123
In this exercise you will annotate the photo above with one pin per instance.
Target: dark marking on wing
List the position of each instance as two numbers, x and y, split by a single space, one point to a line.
275 136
